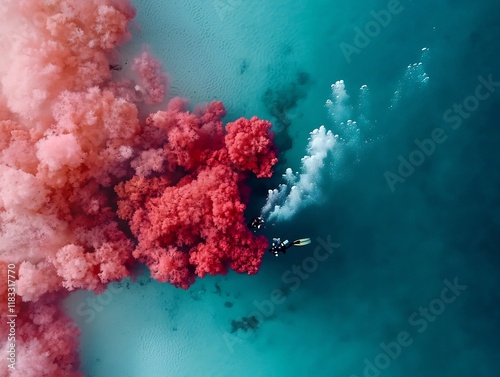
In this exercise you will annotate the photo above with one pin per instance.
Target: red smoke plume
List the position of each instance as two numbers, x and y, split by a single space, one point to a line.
184 202
71 142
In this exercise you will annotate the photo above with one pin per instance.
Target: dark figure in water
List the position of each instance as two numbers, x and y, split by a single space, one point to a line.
279 246
115 67
256 223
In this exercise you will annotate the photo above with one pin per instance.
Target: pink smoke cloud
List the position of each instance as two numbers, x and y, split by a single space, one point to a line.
62 134
72 145
153 82
46 340
192 224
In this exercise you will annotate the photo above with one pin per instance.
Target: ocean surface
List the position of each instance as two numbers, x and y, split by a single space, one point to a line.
402 275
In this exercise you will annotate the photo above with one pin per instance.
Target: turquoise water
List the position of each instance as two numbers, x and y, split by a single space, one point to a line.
400 243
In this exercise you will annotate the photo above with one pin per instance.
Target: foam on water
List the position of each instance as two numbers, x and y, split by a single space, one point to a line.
339 106
301 189
415 78
305 188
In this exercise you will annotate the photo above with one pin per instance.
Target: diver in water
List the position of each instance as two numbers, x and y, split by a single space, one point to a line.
279 246
256 223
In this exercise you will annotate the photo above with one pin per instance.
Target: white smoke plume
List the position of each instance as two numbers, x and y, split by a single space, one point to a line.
414 78
339 107
301 189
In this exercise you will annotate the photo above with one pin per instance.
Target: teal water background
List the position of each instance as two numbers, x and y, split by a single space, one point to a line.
397 247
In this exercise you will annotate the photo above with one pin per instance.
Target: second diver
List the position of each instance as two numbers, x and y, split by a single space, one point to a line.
279 246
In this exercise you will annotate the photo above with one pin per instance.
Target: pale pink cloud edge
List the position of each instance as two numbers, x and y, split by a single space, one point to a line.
76 159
